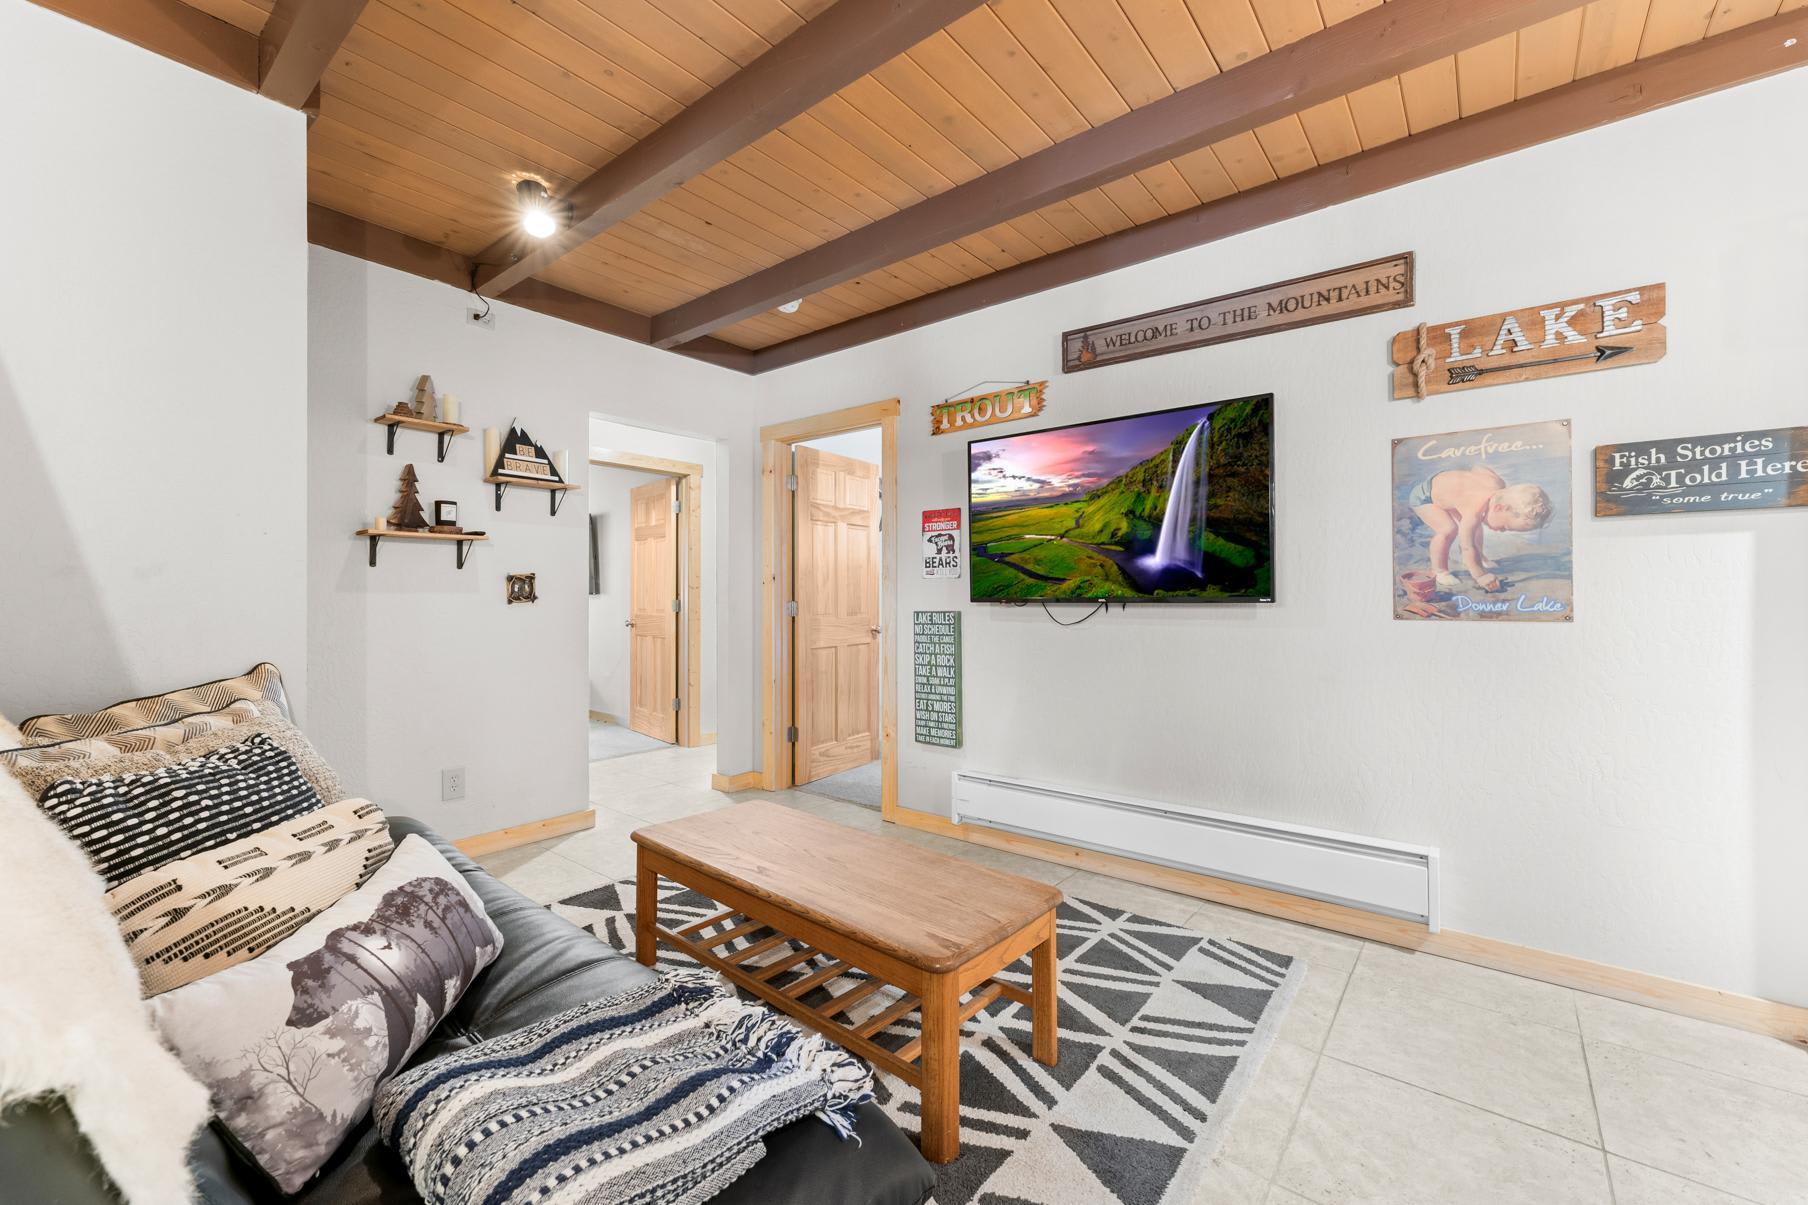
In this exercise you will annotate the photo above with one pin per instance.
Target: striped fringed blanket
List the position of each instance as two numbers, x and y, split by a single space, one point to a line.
660 1096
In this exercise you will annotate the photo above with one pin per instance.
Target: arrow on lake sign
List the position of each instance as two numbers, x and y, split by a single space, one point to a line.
1462 374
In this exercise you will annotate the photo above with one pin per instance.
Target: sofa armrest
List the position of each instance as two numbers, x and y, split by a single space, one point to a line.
43 1157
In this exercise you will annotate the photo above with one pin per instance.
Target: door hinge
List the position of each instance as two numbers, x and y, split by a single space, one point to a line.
677 604
677 704
677 504
791 734
791 609
791 481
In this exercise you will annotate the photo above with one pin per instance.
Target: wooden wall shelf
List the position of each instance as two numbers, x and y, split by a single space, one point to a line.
464 540
556 490
443 431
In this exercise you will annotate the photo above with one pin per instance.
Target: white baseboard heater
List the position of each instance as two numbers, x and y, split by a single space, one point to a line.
1361 872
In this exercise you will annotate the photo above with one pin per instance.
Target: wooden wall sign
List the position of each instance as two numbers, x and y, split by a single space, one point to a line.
984 409
935 643
1607 330
1746 470
1381 284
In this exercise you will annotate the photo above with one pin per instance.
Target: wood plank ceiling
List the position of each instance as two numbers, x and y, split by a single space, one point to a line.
432 110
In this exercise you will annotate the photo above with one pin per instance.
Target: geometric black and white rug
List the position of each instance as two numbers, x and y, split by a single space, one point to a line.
1161 1031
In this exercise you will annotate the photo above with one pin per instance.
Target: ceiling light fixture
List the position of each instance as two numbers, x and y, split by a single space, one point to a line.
536 208
791 307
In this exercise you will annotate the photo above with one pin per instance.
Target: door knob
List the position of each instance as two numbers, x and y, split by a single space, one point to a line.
627 623
874 631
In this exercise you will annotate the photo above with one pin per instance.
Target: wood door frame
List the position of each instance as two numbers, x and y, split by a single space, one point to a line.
777 505
690 578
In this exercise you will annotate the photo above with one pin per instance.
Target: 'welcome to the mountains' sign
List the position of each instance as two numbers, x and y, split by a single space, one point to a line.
1381 284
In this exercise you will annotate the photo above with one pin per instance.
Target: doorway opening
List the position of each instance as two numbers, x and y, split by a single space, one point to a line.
647 606
829 600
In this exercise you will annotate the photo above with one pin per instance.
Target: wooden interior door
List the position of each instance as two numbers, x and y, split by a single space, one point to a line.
836 679
653 617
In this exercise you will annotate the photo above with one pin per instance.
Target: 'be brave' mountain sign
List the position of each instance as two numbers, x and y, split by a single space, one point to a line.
1381 284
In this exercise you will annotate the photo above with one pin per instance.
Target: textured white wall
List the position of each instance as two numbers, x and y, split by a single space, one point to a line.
611 609
1625 788
419 666
152 372
718 487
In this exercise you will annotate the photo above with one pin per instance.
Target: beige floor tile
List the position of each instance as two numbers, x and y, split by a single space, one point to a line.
1281 1196
1636 1184
1526 1071
669 802
1224 1183
1308 1019
1701 1044
1364 1139
1497 991
540 874
1120 893
1030 868
1747 1139
605 848
1258 1132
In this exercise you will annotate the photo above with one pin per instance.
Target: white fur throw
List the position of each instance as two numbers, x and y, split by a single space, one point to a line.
71 1021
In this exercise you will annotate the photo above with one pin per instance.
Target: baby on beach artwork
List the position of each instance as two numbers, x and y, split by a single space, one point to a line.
1481 524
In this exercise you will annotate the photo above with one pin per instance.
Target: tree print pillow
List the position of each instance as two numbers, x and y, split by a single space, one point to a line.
294 1043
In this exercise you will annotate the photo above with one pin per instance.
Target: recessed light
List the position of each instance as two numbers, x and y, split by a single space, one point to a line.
536 208
791 307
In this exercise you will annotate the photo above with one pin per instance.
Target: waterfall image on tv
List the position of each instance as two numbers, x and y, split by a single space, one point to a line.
1169 506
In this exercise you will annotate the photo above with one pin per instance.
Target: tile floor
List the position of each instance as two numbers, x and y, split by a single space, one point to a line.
1398 1077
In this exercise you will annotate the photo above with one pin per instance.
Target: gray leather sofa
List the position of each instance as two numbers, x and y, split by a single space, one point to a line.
547 965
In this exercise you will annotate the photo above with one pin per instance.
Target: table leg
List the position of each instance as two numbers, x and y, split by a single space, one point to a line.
646 911
1042 992
941 1070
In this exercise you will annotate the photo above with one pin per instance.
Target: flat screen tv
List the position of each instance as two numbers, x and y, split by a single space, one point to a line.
1169 506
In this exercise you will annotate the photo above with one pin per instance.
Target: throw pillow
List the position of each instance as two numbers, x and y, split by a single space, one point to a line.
294 1043
205 913
39 772
37 766
130 823
259 682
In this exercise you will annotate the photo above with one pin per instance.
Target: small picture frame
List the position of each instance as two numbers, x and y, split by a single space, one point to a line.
445 513
521 589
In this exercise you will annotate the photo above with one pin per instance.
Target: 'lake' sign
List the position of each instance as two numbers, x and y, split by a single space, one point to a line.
1745 470
935 644
1381 284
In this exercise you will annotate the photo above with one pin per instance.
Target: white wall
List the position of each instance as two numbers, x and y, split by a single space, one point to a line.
611 609
1626 788
152 372
718 487
865 444
418 666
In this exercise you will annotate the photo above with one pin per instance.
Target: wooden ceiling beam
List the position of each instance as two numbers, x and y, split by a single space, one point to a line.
175 31
1764 48
391 248
831 51
1372 46
298 44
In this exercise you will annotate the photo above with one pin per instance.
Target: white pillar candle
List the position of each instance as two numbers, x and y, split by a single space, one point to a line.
562 459
492 447
448 407
381 524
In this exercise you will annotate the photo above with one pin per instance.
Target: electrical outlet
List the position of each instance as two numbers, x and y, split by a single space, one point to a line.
452 784
486 318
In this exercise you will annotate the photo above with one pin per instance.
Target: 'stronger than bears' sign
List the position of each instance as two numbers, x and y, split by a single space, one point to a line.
1382 284
1745 470
935 645
941 542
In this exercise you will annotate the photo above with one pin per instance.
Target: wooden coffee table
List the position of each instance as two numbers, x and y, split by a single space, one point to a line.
824 899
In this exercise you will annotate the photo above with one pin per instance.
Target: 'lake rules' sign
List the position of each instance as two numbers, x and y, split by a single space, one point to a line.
941 542
1382 284
935 640
1748 470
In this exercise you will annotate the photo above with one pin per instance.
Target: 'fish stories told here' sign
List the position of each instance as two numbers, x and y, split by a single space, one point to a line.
1382 284
935 645
1744 470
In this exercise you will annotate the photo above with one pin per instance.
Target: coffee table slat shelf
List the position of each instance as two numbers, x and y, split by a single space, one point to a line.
938 929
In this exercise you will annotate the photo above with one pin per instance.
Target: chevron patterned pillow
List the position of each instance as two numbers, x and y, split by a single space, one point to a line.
263 681
37 766
205 913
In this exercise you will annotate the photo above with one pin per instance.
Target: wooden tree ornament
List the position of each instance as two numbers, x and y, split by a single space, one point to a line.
424 399
406 514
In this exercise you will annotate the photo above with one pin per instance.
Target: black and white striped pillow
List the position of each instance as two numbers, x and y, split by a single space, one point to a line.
130 823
